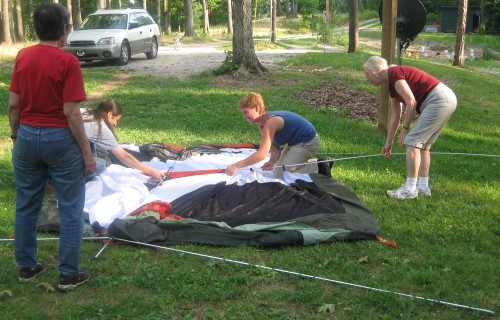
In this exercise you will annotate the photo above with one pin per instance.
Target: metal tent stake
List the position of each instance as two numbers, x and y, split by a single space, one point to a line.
297 274
104 247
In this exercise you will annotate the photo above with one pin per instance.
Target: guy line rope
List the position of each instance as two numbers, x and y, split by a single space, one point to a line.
359 156
110 239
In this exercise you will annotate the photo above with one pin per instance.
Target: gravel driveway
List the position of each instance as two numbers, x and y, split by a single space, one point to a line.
195 58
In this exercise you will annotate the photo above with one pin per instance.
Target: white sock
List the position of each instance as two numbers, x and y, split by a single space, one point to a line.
423 183
411 183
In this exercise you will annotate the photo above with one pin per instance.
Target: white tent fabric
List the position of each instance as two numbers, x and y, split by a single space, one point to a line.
118 190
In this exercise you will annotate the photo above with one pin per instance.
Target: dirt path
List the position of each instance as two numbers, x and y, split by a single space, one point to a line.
193 59
181 63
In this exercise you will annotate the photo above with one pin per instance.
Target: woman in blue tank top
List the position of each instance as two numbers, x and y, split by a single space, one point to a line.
279 128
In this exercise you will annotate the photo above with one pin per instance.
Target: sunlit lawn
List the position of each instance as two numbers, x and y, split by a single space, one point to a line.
447 244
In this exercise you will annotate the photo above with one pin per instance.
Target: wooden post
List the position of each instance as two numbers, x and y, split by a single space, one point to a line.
327 22
389 15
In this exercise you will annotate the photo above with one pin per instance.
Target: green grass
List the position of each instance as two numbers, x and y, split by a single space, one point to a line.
442 40
447 245
487 47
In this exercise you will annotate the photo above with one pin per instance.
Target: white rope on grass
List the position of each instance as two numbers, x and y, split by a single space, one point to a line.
110 239
381 155
468 154
301 275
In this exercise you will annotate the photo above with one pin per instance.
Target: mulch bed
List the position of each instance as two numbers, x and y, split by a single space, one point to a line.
361 105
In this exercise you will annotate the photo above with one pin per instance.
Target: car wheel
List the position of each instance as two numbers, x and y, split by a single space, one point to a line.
124 54
154 50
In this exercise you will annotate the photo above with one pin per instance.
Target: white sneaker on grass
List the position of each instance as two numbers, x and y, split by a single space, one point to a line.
402 193
424 192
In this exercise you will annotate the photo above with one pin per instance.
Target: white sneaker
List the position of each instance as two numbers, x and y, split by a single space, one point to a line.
402 193
424 192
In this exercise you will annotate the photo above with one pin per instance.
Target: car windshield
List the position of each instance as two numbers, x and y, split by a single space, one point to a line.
104 21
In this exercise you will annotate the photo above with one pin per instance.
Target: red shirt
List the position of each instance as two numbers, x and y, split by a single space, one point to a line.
420 83
46 77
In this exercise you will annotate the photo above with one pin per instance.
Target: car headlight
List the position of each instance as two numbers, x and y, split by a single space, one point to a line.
110 40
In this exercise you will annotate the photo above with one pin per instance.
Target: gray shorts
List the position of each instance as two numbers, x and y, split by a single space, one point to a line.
299 154
436 109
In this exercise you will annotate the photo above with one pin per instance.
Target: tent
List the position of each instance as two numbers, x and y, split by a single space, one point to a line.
194 205
256 214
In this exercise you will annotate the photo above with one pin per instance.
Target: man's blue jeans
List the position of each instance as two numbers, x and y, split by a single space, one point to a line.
40 153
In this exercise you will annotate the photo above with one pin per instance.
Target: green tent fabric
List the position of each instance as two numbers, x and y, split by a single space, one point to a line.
348 220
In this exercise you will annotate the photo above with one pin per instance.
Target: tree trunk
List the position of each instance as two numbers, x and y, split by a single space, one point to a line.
287 8
326 23
100 4
243 49
7 38
389 14
295 7
11 22
33 35
77 13
273 21
229 17
482 12
279 9
168 17
188 13
158 14
19 21
144 5
70 10
458 60
327 16
206 23
1 22
493 16
353 26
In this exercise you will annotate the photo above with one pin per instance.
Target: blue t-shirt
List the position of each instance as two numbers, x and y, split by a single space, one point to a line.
295 130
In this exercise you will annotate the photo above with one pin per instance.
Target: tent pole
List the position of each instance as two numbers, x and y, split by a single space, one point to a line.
84 238
56 239
305 275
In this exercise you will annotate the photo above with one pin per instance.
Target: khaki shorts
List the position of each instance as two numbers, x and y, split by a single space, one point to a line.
298 154
436 109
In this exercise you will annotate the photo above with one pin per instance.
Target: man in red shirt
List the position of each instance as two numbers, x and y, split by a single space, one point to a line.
421 94
49 141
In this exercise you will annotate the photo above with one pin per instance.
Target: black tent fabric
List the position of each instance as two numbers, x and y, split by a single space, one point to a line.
258 214
255 203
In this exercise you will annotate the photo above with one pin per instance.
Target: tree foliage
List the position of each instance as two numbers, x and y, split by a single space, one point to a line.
218 12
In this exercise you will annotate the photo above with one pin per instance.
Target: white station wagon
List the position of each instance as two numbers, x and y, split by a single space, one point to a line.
114 34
